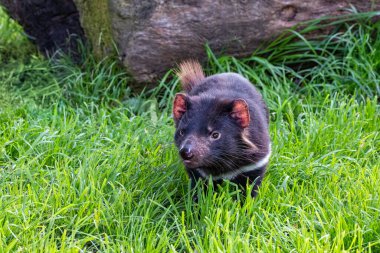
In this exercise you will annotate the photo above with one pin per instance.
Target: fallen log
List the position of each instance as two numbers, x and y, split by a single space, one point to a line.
151 36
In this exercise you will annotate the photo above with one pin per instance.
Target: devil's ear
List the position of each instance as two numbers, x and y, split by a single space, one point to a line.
179 106
240 112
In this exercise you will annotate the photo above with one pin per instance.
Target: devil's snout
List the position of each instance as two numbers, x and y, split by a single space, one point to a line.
186 152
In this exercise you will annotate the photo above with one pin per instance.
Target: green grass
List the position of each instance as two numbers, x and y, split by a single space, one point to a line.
86 165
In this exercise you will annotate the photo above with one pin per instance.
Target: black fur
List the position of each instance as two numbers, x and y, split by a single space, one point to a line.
208 111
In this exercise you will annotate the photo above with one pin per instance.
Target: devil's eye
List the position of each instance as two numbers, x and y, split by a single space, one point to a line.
215 135
181 132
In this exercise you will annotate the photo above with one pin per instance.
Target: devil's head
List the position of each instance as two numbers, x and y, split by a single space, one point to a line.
210 131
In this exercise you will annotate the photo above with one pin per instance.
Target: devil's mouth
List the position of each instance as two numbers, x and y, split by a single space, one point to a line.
190 164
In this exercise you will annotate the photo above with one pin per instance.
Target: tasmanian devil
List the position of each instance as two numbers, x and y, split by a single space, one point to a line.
221 127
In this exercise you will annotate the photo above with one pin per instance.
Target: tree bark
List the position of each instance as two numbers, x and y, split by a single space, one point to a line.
153 36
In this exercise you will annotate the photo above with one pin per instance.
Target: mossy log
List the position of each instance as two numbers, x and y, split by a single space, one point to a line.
152 36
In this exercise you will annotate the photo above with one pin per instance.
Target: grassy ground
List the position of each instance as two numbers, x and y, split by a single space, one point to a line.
86 166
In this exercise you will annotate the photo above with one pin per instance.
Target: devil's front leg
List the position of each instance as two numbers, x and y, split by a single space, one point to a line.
254 177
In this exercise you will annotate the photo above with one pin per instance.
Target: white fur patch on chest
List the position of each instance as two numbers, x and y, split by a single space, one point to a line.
232 174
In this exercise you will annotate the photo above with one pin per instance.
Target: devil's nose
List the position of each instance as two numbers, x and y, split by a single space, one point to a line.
186 153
